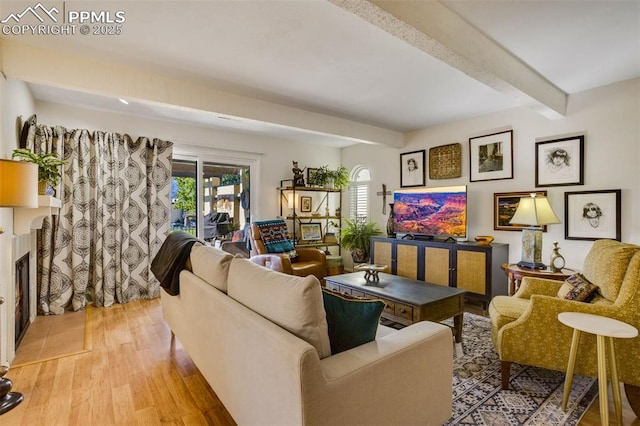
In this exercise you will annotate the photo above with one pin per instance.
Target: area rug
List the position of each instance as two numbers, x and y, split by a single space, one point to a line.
535 395
55 336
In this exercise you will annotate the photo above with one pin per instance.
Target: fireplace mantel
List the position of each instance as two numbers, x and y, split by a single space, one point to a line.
26 219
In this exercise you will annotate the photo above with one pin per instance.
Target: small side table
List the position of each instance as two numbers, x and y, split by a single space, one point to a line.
516 273
605 330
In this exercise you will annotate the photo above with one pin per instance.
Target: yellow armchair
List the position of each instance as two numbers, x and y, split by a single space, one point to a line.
525 327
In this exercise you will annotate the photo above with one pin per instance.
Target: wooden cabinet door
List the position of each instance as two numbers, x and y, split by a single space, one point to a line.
436 265
382 254
471 271
407 261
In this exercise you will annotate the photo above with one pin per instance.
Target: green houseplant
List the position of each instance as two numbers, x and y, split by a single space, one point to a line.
48 167
340 177
325 177
356 236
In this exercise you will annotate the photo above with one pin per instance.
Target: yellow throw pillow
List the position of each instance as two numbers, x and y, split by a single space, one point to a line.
578 288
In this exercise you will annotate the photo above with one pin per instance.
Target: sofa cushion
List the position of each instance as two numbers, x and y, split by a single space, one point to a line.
577 288
351 321
211 264
292 302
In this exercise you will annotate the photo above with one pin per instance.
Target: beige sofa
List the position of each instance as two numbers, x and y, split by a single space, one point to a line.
260 339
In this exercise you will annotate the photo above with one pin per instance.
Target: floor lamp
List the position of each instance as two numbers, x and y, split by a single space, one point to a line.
18 188
534 211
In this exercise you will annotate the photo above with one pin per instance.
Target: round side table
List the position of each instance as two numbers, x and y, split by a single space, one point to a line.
605 330
515 274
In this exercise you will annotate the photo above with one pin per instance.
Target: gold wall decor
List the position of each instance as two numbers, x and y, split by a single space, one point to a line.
445 162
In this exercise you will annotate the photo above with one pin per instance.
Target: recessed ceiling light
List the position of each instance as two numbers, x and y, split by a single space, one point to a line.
123 101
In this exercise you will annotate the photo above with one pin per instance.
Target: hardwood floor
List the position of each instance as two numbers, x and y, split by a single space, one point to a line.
136 374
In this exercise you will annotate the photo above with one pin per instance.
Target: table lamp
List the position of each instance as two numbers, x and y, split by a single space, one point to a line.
534 211
18 188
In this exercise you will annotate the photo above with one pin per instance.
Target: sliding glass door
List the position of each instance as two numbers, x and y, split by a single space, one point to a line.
210 200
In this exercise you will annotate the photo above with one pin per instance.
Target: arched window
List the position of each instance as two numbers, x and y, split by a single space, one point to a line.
359 193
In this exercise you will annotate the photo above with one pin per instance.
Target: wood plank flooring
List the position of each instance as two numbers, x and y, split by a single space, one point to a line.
136 374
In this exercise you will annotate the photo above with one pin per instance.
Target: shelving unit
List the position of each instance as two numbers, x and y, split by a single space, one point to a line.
325 202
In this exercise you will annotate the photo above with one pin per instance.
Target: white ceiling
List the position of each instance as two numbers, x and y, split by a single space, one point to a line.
318 56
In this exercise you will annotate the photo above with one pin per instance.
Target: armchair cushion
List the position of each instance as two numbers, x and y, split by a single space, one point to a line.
351 321
578 288
275 237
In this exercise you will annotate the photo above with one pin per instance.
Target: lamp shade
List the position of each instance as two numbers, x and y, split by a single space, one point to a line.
18 184
535 211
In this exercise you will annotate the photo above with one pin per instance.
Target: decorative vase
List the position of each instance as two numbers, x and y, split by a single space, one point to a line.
43 187
359 255
390 229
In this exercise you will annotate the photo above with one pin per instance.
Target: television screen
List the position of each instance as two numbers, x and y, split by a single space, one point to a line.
431 211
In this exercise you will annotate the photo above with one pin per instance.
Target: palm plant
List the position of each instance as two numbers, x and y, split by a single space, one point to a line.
356 236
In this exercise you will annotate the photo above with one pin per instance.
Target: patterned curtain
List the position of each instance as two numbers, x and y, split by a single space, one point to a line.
114 216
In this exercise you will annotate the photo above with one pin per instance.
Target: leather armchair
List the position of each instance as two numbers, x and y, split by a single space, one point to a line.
310 261
525 327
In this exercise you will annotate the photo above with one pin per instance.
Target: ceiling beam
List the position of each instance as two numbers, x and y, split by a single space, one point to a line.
432 28
73 72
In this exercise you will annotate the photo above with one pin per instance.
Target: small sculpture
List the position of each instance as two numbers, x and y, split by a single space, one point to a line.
298 176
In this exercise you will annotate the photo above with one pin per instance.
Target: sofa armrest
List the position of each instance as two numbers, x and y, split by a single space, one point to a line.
402 378
531 285
307 254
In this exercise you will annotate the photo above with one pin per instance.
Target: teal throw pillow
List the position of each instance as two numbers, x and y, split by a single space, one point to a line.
351 322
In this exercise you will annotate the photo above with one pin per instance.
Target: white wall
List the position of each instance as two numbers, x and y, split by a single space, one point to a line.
607 116
16 100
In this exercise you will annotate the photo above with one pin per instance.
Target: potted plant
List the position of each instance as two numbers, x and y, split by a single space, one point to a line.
325 177
320 176
356 236
341 177
48 167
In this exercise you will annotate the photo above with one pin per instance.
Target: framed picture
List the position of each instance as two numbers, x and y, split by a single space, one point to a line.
592 215
504 207
445 162
560 162
412 171
491 156
305 204
311 231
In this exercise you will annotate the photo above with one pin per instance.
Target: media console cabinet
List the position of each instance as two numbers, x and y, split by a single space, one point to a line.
468 266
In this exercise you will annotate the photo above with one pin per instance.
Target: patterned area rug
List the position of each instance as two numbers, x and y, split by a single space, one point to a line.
535 396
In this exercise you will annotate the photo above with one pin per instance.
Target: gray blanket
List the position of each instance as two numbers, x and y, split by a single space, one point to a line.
171 259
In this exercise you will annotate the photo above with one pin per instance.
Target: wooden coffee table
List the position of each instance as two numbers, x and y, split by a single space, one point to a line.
407 301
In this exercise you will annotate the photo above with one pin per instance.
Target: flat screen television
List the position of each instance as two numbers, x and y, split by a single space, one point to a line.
431 212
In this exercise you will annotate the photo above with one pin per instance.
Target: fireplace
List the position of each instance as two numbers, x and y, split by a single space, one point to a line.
22 312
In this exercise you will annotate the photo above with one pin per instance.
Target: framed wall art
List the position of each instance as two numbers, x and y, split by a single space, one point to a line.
592 215
504 207
305 204
445 162
412 171
560 162
491 156
311 231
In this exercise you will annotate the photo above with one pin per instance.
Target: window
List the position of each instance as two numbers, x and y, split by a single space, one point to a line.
359 193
